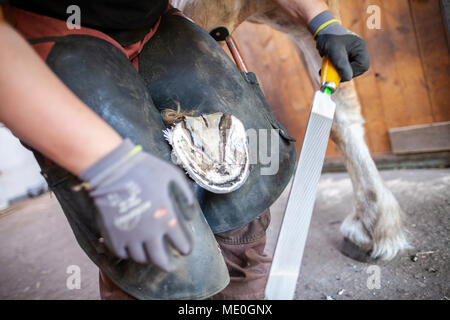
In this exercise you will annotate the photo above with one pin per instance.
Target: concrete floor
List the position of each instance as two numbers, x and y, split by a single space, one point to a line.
37 246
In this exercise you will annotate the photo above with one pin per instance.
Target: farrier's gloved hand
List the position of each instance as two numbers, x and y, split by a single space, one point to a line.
346 50
138 197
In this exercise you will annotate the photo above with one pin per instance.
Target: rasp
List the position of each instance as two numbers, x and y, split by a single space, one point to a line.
294 228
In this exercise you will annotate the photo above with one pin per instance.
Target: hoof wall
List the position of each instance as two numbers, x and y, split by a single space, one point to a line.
351 250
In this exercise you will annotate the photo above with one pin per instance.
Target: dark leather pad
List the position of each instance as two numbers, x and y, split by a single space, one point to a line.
183 63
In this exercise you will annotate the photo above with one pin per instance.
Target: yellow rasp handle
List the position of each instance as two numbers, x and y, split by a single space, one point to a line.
329 77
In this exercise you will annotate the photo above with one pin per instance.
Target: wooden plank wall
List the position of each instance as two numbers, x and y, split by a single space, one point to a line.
407 84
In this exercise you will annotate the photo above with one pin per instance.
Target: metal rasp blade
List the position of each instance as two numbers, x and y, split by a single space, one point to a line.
294 229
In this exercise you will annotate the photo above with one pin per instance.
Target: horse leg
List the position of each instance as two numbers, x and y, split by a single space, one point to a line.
375 225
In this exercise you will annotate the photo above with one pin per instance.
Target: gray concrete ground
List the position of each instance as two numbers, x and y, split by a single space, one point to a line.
37 246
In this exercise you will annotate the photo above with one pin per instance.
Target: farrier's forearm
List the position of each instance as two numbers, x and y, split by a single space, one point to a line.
39 109
302 11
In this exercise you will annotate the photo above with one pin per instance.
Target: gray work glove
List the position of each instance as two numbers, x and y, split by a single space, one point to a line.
139 198
346 50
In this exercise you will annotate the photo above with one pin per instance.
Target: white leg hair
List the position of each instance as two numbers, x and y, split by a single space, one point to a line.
376 223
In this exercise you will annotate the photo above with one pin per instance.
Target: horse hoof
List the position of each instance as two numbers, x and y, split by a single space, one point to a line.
353 251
